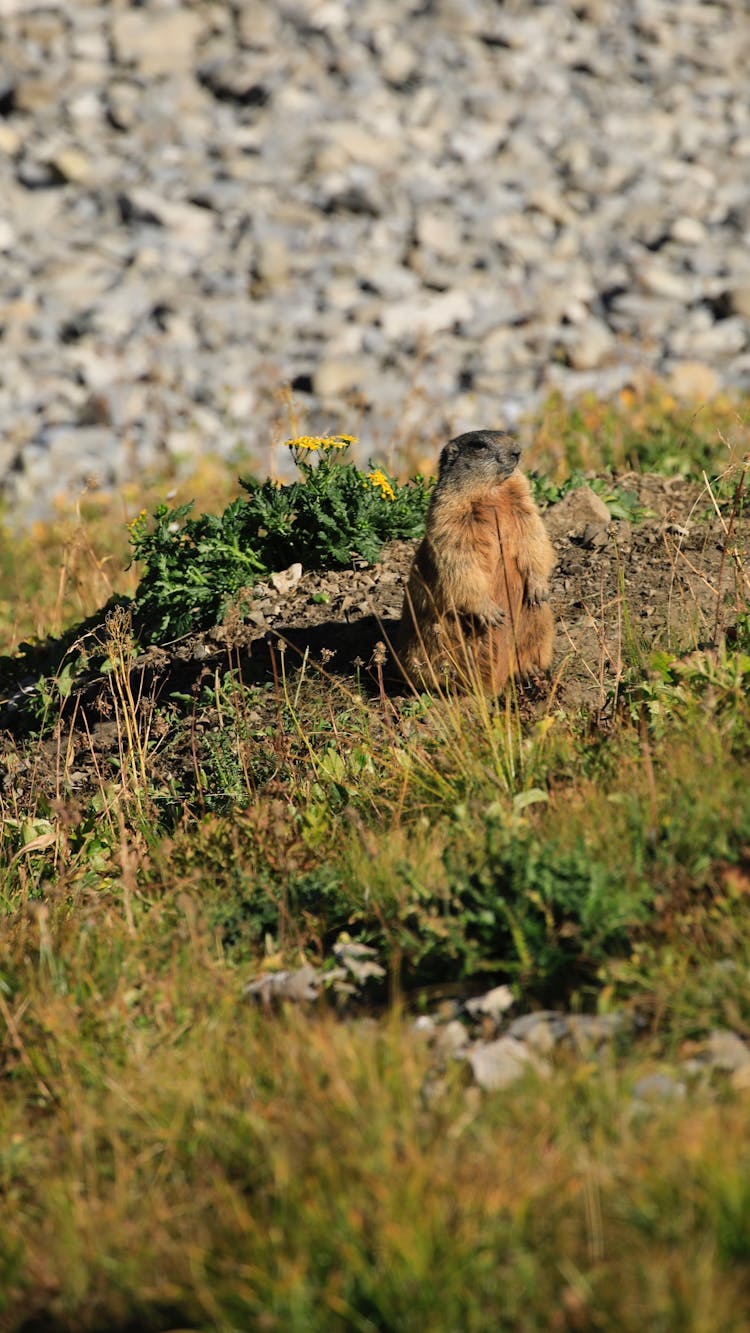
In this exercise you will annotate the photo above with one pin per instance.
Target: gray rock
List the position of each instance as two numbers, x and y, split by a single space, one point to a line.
662 281
724 338
335 377
284 581
300 986
593 343
727 1052
498 1064
594 1030
452 1039
37 173
688 231
8 236
156 43
236 79
654 1088
427 315
72 165
123 101
493 1004
594 534
581 511
526 1025
185 219
739 299
693 380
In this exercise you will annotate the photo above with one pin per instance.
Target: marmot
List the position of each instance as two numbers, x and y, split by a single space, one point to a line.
475 610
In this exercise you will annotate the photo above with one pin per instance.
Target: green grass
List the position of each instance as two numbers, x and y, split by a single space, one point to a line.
174 1155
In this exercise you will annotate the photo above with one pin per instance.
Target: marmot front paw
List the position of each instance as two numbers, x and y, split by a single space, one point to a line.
478 622
536 593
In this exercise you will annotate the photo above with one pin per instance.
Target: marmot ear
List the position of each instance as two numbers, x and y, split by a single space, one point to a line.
448 454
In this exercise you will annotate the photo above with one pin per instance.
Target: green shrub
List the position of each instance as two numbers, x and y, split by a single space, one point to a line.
545 914
336 513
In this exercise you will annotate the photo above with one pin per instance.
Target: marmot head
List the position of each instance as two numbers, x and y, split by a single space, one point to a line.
480 458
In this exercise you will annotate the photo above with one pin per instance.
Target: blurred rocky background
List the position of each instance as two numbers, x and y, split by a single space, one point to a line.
421 216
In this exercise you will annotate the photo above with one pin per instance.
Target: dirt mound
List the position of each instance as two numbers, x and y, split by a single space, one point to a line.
674 580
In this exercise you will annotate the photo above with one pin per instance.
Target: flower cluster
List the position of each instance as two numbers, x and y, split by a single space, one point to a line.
379 479
311 443
136 523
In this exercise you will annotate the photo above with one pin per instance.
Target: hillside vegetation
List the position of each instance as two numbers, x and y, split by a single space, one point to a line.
324 1005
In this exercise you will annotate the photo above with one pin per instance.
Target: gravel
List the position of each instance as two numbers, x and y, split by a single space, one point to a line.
422 216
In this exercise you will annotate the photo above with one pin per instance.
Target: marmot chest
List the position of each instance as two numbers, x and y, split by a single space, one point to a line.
493 532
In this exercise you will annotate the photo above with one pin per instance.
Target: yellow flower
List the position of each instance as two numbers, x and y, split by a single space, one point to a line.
136 522
379 479
311 443
305 442
339 441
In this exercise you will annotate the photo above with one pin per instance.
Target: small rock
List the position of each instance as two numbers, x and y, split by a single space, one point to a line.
541 1030
7 235
123 102
739 299
256 26
10 140
688 231
272 262
596 1030
285 580
235 80
661 281
302 985
494 1003
426 315
593 344
727 1052
525 1027
399 63
723 338
452 1039
498 1064
693 380
439 232
143 205
658 1088
72 165
156 43
595 534
572 515
335 377
37 173
358 959
36 94
424 1024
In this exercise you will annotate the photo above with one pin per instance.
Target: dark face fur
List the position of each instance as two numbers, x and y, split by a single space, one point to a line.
484 457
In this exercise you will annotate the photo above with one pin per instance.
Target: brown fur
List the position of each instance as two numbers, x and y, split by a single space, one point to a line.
475 610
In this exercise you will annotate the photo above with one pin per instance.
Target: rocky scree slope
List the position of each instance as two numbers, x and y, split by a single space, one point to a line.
424 215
